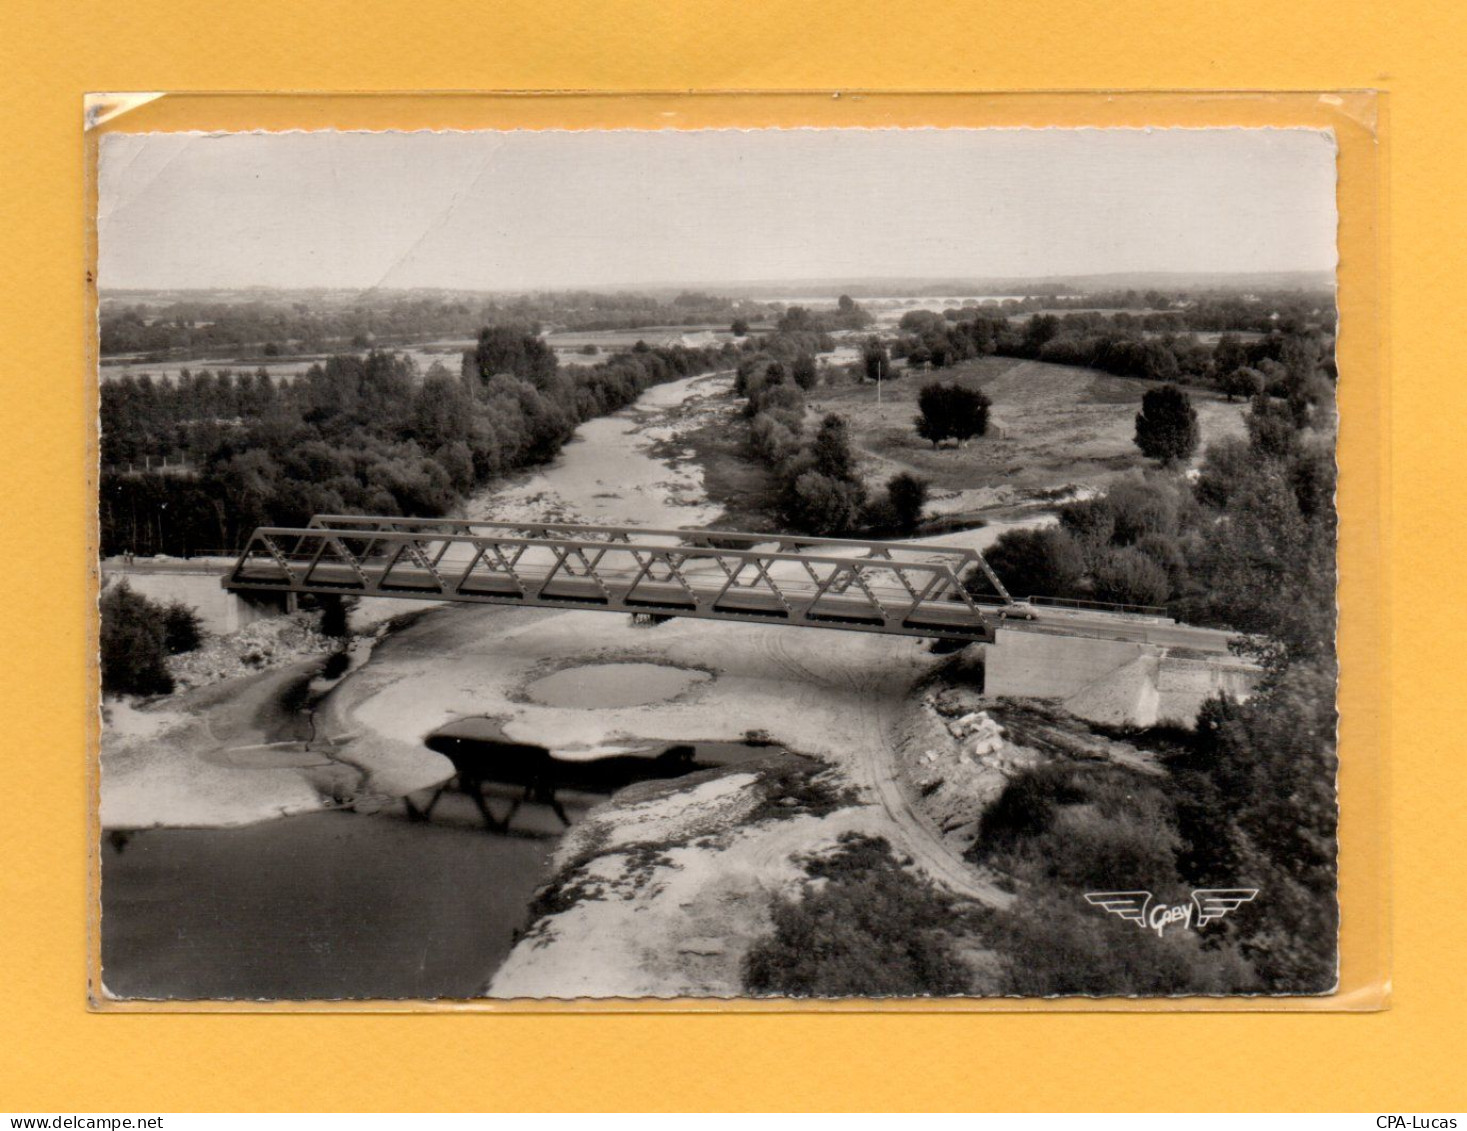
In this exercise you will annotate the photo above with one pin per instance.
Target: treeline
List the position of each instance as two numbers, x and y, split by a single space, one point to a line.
1153 347
847 315
359 433
1186 311
1248 545
270 329
589 311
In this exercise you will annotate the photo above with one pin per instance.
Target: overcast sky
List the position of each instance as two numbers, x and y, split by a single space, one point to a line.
504 211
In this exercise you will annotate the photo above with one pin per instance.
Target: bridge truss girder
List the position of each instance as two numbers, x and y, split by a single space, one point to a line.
893 588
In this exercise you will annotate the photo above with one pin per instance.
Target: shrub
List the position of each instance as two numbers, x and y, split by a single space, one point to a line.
182 631
817 504
1166 552
1091 522
873 929
1026 806
1058 944
1087 827
1128 577
133 644
773 441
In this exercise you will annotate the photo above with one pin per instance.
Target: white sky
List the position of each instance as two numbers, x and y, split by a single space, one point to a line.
505 211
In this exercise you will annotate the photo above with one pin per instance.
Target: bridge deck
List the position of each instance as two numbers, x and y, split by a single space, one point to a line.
899 588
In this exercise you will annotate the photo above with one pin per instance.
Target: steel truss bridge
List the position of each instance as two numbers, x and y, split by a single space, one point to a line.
866 586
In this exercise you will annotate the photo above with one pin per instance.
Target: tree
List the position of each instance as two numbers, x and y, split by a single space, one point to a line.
906 494
740 327
951 412
1128 577
849 314
182 630
1226 466
803 370
1166 426
818 504
831 449
1244 381
876 360
1271 429
1045 562
509 349
134 645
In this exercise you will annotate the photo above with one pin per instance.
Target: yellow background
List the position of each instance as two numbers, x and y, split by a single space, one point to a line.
58 1056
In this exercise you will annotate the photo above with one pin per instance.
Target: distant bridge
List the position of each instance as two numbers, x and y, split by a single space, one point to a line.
862 585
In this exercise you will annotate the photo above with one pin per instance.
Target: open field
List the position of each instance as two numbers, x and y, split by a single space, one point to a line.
1052 427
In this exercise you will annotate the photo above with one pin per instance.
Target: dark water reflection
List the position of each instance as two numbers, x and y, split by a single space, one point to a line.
487 763
349 905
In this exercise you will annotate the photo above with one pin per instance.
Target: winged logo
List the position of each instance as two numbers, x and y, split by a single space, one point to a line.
1137 906
1214 903
1129 905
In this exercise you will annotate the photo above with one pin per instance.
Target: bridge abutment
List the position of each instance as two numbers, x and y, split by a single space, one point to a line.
1112 681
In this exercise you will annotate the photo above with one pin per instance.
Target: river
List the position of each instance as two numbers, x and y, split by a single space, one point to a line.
345 903
609 472
335 904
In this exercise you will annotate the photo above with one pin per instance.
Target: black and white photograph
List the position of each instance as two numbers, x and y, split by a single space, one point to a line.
717 564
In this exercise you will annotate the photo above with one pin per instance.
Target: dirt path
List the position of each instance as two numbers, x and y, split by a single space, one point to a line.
875 766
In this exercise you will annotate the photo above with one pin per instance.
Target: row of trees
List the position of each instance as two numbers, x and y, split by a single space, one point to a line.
359 433
1292 359
1174 312
847 315
316 323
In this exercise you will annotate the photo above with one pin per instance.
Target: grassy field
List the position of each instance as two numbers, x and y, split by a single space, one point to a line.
1053 427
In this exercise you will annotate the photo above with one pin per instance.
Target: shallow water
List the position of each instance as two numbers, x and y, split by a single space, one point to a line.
592 686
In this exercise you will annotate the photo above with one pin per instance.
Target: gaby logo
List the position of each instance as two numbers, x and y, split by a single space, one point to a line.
1135 907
